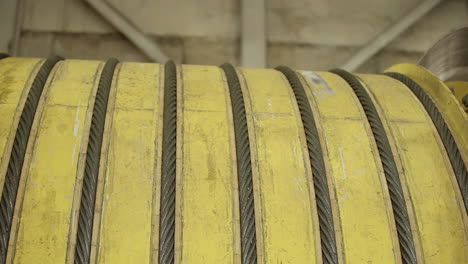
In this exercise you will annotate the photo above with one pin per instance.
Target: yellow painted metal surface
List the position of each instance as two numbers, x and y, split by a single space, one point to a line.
16 76
207 208
368 230
103 161
43 231
207 227
459 89
432 186
129 182
287 206
450 108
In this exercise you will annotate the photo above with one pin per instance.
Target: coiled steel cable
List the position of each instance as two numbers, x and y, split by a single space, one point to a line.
392 176
244 168
450 145
15 164
322 194
168 167
91 171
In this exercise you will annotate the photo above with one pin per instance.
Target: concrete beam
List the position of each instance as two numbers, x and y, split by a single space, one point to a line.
10 25
135 35
389 34
253 37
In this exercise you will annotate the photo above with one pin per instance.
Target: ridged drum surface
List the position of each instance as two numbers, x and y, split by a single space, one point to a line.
92 163
287 214
353 167
446 136
427 172
327 228
16 74
392 175
15 164
444 100
49 180
15 83
206 187
244 167
128 208
151 163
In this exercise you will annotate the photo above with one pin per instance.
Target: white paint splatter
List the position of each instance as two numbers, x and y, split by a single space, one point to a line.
319 86
359 171
77 121
73 154
75 130
343 169
269 103
342 194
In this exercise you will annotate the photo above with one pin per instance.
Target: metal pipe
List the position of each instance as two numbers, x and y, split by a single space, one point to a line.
146 45
389 34
253 34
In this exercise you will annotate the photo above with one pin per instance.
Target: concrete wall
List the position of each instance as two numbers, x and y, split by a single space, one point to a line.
304 34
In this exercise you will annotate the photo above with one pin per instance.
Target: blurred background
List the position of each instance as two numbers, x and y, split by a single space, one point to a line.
366 35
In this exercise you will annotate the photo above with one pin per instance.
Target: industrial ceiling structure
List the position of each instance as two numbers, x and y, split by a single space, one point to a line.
248 33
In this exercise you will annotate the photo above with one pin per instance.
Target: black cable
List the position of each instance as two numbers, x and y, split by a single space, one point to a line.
450 145
322 194
244 168
400 211
168 167
91 171
15 164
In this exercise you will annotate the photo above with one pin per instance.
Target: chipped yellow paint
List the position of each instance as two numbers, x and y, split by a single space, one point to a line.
367 227
207 199
16 76
427 171
43 231
154 246
286 209
125 231
70 257
451 110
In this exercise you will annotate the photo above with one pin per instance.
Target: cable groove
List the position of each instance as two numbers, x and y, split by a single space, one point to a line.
91 171
448 141
244 167
325 216
392 177
15 164
168 166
